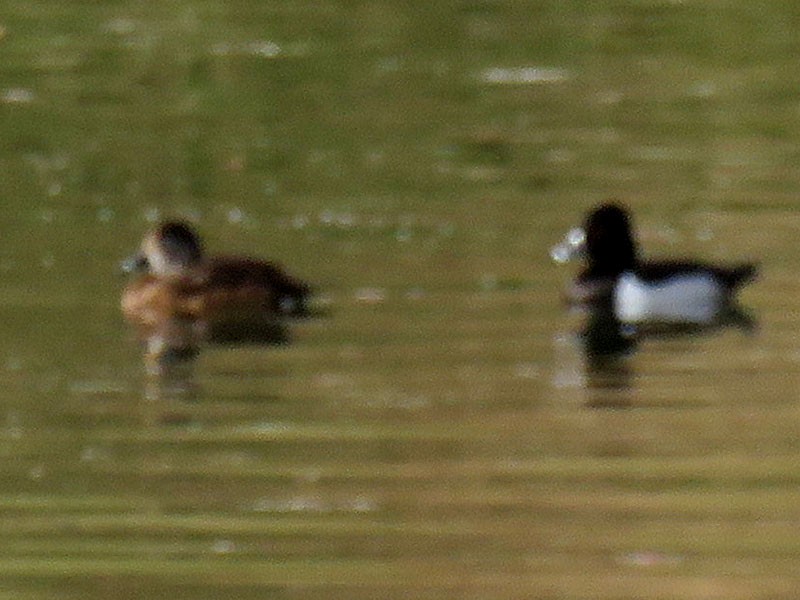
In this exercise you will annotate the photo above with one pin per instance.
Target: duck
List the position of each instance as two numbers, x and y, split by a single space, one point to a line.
173 278
671 291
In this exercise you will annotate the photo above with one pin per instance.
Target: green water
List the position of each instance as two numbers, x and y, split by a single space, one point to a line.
439 434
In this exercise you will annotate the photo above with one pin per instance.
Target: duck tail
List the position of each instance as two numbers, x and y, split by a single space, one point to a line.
739 275
293 299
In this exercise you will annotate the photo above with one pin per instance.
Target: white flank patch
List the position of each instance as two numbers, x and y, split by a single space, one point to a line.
691 298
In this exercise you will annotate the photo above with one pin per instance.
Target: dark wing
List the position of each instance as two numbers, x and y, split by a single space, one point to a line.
731 277
289 295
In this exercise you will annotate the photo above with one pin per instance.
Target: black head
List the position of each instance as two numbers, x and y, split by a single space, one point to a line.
179 242
610 247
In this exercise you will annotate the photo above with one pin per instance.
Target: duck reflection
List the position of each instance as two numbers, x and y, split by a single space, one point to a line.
608 343
172 346
170 349
180 300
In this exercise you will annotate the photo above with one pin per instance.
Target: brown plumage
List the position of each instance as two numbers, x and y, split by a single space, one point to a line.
176 280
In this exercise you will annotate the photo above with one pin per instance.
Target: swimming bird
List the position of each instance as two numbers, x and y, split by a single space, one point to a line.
665 291
175 279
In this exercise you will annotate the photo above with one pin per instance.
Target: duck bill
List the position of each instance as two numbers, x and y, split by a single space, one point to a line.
571 247
134 264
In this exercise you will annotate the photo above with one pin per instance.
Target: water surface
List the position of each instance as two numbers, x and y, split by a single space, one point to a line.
441 434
